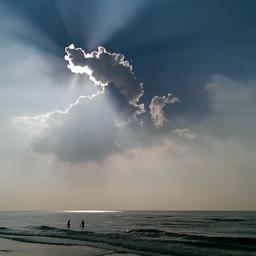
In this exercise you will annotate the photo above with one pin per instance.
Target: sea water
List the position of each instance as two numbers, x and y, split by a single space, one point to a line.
137 232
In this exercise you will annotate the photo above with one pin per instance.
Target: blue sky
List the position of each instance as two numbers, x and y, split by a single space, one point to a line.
185 41
199 138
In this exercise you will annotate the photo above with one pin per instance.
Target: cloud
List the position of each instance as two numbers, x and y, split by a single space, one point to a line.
86 132
89 129
40 124
157 108
232 107
97 126
104 68
184 133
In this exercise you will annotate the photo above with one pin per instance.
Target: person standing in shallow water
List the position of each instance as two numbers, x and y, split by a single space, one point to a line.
82 224
68 224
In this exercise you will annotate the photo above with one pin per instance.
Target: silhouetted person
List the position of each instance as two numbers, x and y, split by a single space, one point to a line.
82 224
68 224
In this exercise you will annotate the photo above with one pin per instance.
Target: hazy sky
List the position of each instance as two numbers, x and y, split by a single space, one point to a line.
141 104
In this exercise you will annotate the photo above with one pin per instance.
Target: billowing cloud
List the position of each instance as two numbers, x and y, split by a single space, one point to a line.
157 108
96 126
89 129
104 68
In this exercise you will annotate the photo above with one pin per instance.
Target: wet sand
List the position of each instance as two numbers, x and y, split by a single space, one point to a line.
16 248
10 247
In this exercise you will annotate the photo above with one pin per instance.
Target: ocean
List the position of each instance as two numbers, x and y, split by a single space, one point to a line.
176 233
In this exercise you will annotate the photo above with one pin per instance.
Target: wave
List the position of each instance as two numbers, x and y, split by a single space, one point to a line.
226 219
250 241
139 240
150 232
46 228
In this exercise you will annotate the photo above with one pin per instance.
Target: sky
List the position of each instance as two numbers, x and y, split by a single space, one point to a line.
127 105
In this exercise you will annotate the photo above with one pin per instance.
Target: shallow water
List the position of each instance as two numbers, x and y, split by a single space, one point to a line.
141 233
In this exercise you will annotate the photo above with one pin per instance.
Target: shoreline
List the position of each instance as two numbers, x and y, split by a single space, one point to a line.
16 248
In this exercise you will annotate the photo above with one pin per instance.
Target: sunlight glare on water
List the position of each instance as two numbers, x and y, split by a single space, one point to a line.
89 211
